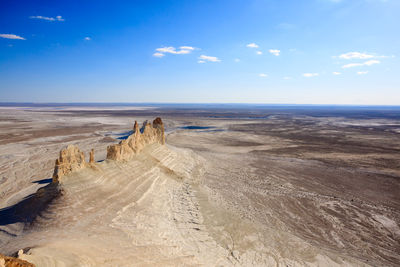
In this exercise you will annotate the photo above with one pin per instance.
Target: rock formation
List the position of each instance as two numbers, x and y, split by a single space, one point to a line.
13 262
70 159
148 134
91 159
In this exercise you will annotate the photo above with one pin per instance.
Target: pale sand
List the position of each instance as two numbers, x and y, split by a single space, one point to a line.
153 211
206 198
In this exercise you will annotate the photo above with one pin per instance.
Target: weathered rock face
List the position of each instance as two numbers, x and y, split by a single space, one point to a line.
148 134
91 159
70 159
13 262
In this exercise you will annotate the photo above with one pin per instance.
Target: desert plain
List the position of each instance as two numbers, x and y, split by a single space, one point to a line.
234 185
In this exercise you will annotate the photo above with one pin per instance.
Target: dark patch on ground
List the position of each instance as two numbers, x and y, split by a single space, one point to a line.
30 207
43 181
193 127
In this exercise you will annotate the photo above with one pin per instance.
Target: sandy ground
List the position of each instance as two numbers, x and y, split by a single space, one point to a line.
229 190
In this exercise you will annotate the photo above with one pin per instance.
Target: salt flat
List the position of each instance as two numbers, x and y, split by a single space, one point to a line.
252 188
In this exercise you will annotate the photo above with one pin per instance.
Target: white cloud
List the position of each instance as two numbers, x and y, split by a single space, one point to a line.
352 65
57 18
252 45
263 75
287 78
167 49
158 54
187 48
275 52
309 75
209 58
336 73
362 72
259 53
201 61
355 55
237 60
87 38
11 36
371 62
172 50
366 63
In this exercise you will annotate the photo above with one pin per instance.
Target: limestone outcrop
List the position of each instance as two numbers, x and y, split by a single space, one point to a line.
148 134
70 159
91 157
13 262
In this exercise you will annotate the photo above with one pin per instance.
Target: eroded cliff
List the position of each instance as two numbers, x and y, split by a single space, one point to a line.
72 158
13 262
148 134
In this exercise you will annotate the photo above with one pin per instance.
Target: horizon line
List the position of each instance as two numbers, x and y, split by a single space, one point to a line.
194 103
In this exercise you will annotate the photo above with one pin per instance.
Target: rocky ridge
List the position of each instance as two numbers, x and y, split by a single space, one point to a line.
13 262
148 134
72 158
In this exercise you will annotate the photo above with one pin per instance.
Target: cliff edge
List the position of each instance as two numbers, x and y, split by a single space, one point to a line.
72 158
148 134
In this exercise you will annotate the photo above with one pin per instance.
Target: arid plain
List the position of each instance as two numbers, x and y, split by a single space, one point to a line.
233 186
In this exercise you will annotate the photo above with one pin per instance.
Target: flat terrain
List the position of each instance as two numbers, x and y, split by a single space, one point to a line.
235 185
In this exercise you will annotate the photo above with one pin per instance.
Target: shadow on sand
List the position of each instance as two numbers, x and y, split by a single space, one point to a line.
27 209
43 181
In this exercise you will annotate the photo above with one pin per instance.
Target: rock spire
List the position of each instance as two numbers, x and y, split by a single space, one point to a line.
72 158
148 134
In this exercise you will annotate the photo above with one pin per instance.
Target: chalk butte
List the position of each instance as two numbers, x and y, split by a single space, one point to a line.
72 158
148 134
91 159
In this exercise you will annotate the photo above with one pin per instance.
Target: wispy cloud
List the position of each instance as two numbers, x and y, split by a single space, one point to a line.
237 60
190 48
336 73
371 62
57 18
287 78
158 54
263 75
275 52
259 53
366 63
252 45
172 50
87 38
11 36
208 58
309 75
352 65
355 55
362 72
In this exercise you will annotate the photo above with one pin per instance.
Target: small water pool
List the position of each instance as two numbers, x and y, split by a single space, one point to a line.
194 127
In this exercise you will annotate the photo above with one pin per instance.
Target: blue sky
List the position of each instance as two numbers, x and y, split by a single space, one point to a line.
211 51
